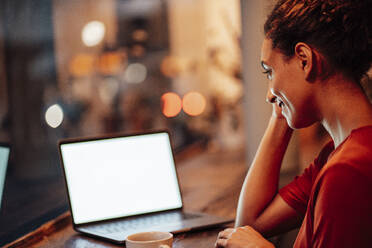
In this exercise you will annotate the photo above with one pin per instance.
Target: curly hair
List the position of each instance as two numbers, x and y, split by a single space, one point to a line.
339 29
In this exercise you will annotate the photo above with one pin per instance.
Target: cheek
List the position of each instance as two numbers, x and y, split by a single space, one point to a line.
296 109
282 83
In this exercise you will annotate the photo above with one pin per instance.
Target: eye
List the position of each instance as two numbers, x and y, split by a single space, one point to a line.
268 74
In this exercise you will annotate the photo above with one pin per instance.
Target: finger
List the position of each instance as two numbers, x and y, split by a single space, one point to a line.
247 227
251 230
225 233
221 243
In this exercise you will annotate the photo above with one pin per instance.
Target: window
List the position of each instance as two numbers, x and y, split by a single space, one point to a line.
71 68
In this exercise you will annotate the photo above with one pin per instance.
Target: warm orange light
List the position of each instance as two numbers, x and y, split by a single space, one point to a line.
173 66
140 35
172 104
137 51
193 103
110 63
82 65
169 66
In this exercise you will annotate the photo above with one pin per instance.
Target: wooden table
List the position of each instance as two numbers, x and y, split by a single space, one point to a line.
210 182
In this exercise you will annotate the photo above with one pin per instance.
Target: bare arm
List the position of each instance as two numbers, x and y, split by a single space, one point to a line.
259 205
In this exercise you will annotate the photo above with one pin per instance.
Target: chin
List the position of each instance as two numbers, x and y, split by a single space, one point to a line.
290 124
298 124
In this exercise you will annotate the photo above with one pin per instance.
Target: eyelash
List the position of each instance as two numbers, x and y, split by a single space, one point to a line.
268 74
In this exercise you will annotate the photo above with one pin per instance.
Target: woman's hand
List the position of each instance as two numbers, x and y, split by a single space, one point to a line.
241 237
277 105
277 111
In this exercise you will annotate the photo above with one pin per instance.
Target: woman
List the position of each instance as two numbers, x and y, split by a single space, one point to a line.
314 54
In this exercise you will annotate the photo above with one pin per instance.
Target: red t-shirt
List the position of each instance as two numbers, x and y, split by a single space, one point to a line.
334 194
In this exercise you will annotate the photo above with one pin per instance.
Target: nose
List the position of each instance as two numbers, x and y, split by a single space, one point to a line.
270 97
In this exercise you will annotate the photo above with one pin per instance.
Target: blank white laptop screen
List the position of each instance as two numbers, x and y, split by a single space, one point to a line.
4 156
119 177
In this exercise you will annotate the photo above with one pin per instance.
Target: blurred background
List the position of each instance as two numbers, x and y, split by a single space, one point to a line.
78 68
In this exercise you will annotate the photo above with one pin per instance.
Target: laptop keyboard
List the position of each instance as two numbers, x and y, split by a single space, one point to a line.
144 221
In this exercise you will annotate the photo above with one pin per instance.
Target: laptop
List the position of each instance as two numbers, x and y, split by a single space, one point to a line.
4 157
122 185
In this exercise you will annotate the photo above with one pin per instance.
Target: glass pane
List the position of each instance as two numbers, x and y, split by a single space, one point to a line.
78 68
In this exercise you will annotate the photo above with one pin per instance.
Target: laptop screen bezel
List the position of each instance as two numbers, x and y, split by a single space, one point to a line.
113 136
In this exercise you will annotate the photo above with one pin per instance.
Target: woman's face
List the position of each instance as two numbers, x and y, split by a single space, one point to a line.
288 86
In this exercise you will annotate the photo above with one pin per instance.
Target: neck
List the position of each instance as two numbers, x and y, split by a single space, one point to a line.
343 107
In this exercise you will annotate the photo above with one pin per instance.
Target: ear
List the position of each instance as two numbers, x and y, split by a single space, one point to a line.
306 58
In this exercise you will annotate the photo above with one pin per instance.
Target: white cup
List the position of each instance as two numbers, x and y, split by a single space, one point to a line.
149 240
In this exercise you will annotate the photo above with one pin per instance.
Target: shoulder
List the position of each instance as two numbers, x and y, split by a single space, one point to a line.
344 175
355 154
323 155
342 208
343 192
348 171
344 184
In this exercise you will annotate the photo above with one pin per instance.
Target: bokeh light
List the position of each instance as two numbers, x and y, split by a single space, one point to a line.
137 51
81 65
171 103
193 103
93 33
173 66
108 90
54 116
135 73
110 63
140 35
